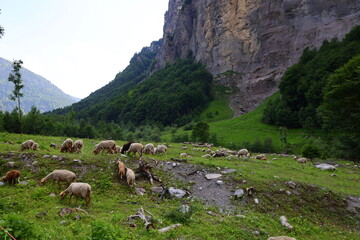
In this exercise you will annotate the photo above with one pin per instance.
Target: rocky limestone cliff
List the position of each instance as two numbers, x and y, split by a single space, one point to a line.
248 44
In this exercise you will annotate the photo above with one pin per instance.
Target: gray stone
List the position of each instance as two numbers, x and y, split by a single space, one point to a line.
225 171
256 200
63 222
184 209
239 193
219 182
24 182
140 191
291 184
2 183
77 160
52 195
34 163
11 164
178 193
46 156
156 189
325 166
212 176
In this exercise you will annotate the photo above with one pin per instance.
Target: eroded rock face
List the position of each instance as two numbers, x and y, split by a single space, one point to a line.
248 44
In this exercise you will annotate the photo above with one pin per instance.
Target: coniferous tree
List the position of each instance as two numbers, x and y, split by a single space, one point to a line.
1 29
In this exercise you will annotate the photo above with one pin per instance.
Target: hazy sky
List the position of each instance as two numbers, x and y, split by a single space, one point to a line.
78 45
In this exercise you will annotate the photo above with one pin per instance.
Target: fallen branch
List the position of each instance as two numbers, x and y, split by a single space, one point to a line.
178 159
285 223
141 214
168 228
66 211
145 170
6 231
163 193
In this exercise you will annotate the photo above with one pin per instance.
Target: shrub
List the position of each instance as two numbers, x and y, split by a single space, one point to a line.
19 227
311 151
101 231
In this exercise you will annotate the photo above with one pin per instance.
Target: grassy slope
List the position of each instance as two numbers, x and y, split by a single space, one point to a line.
308 212
247 127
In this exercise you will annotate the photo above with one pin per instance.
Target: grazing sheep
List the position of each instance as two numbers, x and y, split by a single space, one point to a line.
59 176
121 169
66 146
301 160
161 149
261 157
82 190
149 149
29 144
118 149
243 152
126 147
11 177
77 146
135 148
130 176
109 145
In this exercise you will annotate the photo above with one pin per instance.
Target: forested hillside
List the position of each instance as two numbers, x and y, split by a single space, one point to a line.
38 91
322 91
173 95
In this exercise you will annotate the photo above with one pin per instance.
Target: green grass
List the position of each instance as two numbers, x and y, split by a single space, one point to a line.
217 110
318 212
246 128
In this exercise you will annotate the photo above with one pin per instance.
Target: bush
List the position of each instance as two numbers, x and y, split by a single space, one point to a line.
311 151
101 231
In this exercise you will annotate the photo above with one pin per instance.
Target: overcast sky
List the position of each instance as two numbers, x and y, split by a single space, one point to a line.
78 45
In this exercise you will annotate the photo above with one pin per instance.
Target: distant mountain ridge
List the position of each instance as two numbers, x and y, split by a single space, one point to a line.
38 91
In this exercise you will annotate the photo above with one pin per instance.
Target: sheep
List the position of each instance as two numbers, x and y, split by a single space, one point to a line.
121 169
130 176
243 152
11 177
135 148
66 146
149 149
110 145
301 160
118 149
59 176
161 149
29 144
261 157
78 189
77 146
125 147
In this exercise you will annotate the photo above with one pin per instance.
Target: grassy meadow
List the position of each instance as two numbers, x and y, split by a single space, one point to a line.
315 208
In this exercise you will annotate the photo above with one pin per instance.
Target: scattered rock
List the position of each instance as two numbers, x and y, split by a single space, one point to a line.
46 156
291 184
256 233
333 175
325 166
212 176
256 201
11 164
211 213
24 182
206 156
184 209
288 192
227 170
241 216
62 222
52 195
41 215
219 182
261 157
2 183
178 193
156 189
140 191
34 163
239 193
77 217
77 161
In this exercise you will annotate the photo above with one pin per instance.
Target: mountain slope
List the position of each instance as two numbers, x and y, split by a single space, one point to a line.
256 40
38 91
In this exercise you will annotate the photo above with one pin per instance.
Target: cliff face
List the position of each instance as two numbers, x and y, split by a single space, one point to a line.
248 44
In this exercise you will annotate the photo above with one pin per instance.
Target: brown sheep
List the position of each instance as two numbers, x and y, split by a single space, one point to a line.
121 169
11 177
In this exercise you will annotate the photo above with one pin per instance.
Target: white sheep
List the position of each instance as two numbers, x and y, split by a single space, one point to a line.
59 176
161 149
109 145
149 149
77 146
78 189
135 148
29 144
301 160
243 152
66 146
130 176
118 149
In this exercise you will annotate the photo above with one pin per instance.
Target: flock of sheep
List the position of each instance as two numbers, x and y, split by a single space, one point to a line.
80 189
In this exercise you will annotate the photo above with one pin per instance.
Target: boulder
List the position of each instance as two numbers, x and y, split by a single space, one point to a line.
325 166
239 193
178 193
212 176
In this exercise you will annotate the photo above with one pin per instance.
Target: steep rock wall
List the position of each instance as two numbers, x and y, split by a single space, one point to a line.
248 44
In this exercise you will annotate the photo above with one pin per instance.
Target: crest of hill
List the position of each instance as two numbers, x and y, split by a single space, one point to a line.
38 91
